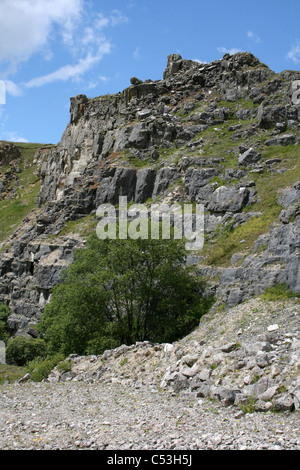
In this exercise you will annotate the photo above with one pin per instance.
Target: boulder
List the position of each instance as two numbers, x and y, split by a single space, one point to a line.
225 395
135 81
249 157
164 177
269 116
290 196
284 403
286 139
228 199
198 178
173 65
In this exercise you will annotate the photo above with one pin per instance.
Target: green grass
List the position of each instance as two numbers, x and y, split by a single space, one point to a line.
234 106
82 226
15 207
279 292
40 368
269 187
11 373
222 143
13 212
248 406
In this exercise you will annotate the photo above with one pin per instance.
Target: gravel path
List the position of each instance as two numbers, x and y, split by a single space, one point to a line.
79 415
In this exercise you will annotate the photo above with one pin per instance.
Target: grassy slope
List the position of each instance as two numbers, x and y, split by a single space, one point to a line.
269 184
17 205
11 373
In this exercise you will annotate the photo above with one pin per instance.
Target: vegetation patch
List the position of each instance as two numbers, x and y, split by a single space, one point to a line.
21 350
120 292
13 212
23 188
40 368
279 292
82 227
10 374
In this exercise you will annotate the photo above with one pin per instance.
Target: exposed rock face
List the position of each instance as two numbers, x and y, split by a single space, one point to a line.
8 152
141 119
198 136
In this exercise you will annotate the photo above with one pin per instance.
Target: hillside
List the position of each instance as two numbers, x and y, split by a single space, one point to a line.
224 135
20 183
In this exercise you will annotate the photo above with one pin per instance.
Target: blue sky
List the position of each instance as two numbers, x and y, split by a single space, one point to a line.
51 50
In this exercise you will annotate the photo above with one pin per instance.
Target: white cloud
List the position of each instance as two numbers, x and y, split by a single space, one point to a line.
137 53
200 61
44 27
94 83
12 89
26 26
253 36
294 53
116 18
232 51
12 137
68 72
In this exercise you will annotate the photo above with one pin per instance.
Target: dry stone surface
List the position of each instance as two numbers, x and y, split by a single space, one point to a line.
232 384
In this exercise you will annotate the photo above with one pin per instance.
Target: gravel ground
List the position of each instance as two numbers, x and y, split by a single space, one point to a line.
79 415
126 408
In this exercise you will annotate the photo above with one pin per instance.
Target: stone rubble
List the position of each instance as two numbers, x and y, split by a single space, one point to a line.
256 361
116 416
233 383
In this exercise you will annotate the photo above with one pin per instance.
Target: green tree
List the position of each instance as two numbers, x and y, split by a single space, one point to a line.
122 291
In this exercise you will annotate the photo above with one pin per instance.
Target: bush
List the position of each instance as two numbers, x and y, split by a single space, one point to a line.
4 332
40 369
21 350
120 292
64 366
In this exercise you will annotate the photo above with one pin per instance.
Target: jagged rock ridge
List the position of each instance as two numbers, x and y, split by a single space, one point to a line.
205 133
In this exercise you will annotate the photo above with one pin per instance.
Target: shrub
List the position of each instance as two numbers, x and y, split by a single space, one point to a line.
4 332
122 291
21 350
40 369
64 366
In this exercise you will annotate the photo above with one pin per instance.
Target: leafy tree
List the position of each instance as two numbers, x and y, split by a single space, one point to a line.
123 291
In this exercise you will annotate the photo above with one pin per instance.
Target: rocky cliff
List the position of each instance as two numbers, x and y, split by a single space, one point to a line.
224 134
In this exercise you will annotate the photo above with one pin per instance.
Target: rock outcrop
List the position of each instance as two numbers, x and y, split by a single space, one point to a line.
8 153
216 134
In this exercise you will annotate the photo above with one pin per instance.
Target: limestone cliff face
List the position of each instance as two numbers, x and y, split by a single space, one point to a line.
224 134
110 132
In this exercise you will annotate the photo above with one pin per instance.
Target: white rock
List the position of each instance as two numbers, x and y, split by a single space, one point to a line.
273 327
168 347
